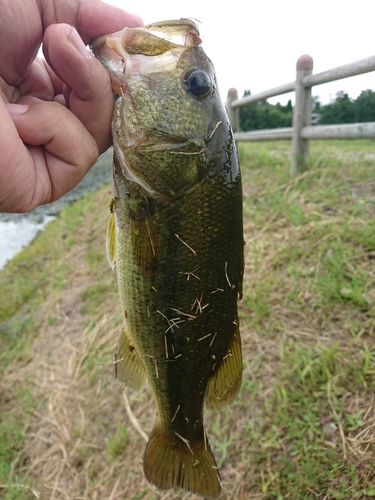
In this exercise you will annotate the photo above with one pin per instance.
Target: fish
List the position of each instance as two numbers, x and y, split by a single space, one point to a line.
175 238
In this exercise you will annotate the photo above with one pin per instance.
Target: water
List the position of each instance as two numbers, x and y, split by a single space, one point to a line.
16 235
18 230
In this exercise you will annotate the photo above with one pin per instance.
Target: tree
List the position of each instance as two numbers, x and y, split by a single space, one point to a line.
315 103
365 106
339 110
343 109
262 115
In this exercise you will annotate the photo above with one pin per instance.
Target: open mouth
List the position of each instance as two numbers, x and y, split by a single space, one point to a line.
152 39
132 48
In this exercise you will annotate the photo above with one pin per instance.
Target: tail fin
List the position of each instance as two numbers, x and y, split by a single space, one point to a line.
170 462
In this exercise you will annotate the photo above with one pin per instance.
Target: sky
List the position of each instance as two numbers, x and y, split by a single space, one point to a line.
255 45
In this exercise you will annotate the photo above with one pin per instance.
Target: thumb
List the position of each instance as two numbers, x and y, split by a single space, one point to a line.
90 95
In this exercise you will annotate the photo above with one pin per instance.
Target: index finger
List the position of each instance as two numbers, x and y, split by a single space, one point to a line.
90 17
19 48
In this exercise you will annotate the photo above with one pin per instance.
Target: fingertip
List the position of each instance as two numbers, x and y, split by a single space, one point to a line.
99 18
135 21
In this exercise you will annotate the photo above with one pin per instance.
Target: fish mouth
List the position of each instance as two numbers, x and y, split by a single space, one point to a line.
149 39
123 49
179 32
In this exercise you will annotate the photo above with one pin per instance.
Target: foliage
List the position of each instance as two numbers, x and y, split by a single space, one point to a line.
263 115
341 109
344 109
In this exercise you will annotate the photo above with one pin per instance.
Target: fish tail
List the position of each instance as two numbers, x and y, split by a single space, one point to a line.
174 461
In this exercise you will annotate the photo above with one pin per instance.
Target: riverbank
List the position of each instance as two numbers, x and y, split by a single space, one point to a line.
303 425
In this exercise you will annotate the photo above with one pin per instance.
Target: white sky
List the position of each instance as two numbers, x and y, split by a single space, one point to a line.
255 45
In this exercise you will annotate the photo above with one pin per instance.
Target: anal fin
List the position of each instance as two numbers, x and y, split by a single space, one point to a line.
171 461
224 385
127 365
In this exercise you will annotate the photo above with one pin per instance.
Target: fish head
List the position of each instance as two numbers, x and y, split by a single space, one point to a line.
167 106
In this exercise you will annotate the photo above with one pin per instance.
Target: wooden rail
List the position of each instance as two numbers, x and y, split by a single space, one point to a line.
302 131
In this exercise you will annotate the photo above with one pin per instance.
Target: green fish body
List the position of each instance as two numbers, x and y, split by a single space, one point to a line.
175 238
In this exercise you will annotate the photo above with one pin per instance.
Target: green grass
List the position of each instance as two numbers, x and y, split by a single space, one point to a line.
303 426
116 445
315 388
36 276
11 441
310 263
13 426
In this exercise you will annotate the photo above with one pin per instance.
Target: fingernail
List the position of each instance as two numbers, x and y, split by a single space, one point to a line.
77 42
16 109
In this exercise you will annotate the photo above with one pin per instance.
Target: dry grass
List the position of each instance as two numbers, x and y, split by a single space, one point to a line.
304 424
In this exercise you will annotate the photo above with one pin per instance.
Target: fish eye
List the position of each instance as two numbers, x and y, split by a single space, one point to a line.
198 83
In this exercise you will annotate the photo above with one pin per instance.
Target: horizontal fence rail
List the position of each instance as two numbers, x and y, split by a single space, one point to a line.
342 131
302 131
352 69
274 134
249 99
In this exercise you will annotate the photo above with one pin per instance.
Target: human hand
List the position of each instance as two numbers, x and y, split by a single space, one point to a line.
55 114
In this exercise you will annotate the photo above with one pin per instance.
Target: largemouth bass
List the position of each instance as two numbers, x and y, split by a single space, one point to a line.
175 238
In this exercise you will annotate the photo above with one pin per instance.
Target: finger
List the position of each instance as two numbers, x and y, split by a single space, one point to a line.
60 151
90 17
90 97
22 24
38 82
21 35
13 156
98 18
57 84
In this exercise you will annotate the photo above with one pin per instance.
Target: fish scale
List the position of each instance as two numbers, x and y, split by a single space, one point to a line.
175 238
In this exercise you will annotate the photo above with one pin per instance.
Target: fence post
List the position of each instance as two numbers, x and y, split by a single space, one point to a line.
233 113
301 116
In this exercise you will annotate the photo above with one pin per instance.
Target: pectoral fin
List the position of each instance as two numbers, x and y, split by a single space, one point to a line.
224 385
144 244
127 365
111 241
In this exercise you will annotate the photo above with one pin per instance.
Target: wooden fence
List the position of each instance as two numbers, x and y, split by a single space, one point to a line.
302 130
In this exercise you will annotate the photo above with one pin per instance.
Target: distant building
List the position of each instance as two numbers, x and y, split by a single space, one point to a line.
315 118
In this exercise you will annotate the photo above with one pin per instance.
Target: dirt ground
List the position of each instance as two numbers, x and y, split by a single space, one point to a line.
80 406
86 436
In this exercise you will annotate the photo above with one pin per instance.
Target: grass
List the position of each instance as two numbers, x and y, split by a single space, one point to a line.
303 426
117 443
312 297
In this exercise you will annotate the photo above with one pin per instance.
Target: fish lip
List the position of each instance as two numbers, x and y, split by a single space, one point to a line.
191 37
97 42
109 51
176 22
108 46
